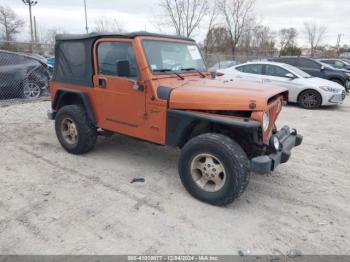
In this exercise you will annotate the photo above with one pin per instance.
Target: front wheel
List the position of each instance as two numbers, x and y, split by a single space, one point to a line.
214 169
74 131
310 99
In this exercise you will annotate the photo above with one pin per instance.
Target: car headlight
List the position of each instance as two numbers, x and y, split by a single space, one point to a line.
275 143
266 121
330 89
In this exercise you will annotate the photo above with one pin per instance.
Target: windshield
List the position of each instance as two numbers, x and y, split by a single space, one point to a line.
165 57
297 71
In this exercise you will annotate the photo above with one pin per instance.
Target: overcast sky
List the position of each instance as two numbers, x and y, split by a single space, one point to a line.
138 15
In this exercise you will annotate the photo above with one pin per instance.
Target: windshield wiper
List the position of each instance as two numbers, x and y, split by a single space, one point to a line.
169 70
194 69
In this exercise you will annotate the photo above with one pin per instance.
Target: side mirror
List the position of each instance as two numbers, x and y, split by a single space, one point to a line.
322 68
123 68
290 76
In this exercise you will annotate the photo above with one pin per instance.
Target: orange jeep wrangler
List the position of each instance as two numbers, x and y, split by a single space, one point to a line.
157 88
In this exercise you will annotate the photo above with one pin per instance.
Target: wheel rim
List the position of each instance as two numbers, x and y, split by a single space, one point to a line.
208 173
31 90
309 100
69 131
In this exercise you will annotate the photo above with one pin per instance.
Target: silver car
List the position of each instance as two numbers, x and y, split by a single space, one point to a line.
309 92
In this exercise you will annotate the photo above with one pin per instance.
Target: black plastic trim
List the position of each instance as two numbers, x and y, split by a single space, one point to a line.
179 122
163 92
59 98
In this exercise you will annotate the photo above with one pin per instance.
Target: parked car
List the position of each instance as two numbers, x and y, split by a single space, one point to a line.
309 92
337 63
222 65
50 61
156 88
22 75
346 60
317 69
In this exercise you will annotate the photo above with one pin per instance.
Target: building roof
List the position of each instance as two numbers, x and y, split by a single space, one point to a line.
67 37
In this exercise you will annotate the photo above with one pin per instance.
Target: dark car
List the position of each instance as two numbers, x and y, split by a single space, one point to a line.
22 75
317 69
337 63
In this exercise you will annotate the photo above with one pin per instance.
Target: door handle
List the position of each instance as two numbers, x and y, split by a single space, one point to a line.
102 83
267 80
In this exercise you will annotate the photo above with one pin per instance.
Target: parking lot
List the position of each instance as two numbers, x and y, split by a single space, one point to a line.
55 203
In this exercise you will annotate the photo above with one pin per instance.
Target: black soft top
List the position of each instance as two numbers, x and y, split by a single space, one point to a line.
67 37
74 55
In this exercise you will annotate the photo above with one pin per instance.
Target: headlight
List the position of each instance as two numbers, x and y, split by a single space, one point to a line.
266 121
275 143
330 89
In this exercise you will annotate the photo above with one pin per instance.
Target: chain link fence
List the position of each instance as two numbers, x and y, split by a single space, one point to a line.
24 75
220 60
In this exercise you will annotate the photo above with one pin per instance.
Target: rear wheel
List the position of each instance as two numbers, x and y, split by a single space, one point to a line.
214 169
310 99
74 131
31 90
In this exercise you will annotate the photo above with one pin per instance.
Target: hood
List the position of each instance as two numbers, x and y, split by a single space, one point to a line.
207 94
317 82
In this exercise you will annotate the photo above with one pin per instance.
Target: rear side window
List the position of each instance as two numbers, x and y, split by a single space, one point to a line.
251 69
307 63
272 70
110 53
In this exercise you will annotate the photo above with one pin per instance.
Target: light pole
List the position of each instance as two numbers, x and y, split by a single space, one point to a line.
86 20
30 3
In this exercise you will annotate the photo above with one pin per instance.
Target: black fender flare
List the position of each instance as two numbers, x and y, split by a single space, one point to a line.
179 122
60 96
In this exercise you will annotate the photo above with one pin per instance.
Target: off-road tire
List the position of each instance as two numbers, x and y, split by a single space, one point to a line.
232 157
87 133
314 105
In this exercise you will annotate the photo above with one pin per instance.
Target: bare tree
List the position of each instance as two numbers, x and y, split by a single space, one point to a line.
105 24
184 16
237 14
48 36
287 37
315 34
213 14
10 23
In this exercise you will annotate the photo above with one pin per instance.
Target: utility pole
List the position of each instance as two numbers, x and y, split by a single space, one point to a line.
30 4
86 20
35 31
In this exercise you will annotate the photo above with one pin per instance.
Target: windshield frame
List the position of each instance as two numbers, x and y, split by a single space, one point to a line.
193 43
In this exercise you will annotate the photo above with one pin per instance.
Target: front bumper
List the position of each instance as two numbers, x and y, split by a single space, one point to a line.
288 140
338 98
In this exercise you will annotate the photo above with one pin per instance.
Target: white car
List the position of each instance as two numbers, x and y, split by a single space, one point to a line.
309 92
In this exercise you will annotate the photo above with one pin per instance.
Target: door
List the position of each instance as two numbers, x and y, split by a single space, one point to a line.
311 67
120 98
277 75
250 72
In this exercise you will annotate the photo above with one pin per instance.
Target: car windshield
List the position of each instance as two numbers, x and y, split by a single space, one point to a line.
297 71
165 57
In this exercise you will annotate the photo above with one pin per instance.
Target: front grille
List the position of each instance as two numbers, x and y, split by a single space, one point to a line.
274 109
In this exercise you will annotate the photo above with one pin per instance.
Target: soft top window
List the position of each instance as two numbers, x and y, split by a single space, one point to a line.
74 62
